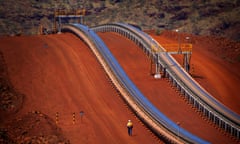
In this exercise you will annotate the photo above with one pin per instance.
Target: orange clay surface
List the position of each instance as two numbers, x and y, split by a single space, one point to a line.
165 97
58 73
212 65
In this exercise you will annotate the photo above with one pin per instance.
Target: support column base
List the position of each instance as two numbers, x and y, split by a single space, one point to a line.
157 76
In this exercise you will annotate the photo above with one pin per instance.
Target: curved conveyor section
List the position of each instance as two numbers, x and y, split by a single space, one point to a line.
146 111
192 91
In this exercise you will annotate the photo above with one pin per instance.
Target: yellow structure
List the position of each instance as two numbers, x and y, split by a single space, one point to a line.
184 47
60 14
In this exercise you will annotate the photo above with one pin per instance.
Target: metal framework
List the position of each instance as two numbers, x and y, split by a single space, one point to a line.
150 115
72 14
183 48
197 96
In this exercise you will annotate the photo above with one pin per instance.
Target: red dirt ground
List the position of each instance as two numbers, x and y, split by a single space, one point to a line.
160 92
215 64
58 73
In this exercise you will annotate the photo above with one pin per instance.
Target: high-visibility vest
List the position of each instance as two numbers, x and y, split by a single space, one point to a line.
129 124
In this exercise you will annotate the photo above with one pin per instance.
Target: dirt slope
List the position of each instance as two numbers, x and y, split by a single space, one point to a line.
58 73
160 92
214 64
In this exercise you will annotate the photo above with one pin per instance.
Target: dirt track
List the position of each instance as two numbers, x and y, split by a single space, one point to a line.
58 73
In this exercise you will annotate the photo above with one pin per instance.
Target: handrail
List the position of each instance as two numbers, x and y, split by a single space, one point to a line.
198 96
147 112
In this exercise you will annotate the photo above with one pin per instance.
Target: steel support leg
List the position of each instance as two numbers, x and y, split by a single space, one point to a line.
186 61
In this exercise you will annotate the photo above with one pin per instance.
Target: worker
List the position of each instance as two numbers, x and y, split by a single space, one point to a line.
129 127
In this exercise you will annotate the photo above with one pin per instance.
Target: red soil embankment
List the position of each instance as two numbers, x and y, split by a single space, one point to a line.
160 92
59 73
214 64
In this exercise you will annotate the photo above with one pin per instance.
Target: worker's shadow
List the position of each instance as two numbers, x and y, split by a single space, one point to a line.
134 135
197 76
